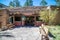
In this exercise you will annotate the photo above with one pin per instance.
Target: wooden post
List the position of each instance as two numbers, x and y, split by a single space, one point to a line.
35 20
23 19
13 19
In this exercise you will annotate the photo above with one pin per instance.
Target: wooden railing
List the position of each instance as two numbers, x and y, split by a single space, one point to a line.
44 33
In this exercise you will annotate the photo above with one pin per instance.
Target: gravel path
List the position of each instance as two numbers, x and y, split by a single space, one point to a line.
22 33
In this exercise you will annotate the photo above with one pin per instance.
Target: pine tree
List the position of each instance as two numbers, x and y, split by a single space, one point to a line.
11 4
43 3
17 3
28 3
57 2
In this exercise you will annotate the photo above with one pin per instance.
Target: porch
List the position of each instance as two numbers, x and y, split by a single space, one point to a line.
25 20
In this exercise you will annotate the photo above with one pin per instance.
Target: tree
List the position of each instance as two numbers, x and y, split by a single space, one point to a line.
17 3
48 16
44 15
43 3
57 17
28 3
52 16
57 2
11 4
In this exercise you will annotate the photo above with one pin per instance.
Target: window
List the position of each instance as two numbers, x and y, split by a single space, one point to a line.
11 19
17 18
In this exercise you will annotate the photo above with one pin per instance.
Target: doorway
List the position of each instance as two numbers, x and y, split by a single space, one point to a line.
29 21
11 20
0 24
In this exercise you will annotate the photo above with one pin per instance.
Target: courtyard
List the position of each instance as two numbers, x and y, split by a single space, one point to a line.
22 33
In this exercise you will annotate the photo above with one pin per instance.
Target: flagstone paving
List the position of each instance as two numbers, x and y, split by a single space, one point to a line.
22 33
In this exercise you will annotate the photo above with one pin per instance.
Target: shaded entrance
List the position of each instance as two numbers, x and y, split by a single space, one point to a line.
29 21
0 24
18 21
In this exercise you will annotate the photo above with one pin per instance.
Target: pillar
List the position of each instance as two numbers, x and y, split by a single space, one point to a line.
23 20
35 20
4 19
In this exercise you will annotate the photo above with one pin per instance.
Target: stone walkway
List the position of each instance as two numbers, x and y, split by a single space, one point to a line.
22 33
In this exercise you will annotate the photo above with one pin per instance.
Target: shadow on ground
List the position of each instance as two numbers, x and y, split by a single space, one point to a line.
6 34
51 35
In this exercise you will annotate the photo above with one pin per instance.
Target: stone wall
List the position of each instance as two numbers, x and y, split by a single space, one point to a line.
3 18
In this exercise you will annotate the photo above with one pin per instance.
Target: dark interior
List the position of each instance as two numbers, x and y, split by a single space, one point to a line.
17 18
29 21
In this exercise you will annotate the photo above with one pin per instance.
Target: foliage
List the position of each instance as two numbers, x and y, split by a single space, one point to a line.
11 4
57 18
43 3
17 3
57 2
28 3
14 3
48 16
44 15
52 16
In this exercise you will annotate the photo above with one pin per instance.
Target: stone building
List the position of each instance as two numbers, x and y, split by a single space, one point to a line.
20 16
